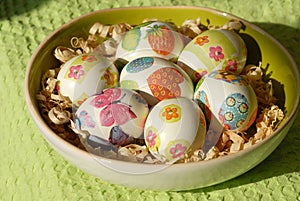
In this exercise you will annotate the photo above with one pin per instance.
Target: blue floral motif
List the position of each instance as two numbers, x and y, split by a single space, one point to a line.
234 111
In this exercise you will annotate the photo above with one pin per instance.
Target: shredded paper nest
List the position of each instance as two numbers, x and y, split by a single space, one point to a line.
58 111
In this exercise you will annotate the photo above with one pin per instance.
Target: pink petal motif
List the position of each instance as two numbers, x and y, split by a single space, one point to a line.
107 97
114 110
231 65
116 113
216 53
107 116
76 72
151 138
178 150
122 113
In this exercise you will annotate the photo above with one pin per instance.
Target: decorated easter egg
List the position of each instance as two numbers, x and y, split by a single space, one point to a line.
85 75
174 127
154 38
227 98
156 77
217 49
115 114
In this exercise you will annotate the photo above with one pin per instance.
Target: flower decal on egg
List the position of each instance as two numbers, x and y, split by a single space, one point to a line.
110 77
201 40
229 77
234 111
152 139
88 58
171 113
232 65
177 149
216 53
76 72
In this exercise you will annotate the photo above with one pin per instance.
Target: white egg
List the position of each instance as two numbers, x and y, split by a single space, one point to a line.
216 49
115 114
227 101
85 75
174 127
154 38
156 77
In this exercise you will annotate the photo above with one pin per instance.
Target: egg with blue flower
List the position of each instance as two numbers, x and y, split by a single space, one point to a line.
228 101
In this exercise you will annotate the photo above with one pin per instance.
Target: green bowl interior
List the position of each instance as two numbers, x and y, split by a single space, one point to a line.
283 68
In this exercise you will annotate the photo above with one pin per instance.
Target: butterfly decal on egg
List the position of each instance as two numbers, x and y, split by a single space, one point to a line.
114 111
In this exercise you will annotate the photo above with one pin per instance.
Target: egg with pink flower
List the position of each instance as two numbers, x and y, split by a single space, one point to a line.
85 75
216 49
174 127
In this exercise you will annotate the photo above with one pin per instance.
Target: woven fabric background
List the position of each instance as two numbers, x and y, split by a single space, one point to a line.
31 170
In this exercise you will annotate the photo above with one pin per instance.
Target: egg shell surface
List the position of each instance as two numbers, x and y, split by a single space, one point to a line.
173 128
216 49
85 75
154 38
157 77
113 108
227 100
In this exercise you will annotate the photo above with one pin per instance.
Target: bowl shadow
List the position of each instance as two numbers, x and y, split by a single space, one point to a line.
9 8
286 157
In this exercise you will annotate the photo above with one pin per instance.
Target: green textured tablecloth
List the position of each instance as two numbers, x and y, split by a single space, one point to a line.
31 170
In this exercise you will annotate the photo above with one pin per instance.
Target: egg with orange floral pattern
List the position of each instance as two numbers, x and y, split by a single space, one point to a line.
85 75
173 128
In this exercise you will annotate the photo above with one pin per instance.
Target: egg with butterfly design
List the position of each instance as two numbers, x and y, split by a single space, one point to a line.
117 115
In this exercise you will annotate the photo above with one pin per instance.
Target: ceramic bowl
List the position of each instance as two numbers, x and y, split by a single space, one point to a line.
177 176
